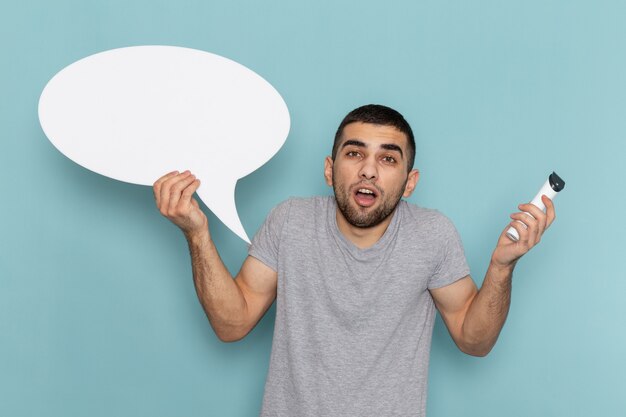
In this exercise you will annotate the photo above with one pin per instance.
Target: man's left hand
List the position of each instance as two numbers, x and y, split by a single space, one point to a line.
530 229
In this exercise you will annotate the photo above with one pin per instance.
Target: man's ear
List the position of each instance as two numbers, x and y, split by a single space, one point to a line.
411 182
328 171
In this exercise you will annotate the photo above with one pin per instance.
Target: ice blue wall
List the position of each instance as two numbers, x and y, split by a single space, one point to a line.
98 314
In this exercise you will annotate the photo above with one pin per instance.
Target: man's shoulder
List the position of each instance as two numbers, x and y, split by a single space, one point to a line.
421 212
424 217
297 216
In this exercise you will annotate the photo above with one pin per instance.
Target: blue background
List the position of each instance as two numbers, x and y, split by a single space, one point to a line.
98 315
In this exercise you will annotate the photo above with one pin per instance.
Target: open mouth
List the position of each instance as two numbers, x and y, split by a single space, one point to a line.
365 196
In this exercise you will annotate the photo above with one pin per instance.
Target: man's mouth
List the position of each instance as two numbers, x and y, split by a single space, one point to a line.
365 197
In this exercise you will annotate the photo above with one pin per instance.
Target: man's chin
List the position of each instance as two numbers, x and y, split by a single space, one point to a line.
367 217
364 217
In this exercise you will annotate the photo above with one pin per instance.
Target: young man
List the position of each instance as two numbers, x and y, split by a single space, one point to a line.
357 278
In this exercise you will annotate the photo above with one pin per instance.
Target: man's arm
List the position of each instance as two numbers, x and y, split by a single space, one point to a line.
233 307
474 318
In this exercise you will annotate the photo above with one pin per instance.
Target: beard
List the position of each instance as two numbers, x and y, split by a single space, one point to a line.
361 216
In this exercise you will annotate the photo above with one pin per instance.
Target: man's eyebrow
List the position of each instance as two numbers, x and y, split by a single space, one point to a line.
392 147
354 142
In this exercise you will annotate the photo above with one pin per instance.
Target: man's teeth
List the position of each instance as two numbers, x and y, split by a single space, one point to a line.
366 191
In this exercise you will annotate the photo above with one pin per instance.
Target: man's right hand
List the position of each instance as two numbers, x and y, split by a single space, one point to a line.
173 193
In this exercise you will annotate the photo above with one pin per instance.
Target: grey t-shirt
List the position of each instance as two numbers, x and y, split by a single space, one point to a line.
353 326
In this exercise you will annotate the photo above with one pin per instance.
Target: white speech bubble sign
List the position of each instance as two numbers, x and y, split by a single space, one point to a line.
136 113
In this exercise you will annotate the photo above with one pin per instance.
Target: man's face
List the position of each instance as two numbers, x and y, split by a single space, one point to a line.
369 174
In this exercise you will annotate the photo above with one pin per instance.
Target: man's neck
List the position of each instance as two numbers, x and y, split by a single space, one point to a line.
362 237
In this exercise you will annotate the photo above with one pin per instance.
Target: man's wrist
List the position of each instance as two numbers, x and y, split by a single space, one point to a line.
199 237
502 268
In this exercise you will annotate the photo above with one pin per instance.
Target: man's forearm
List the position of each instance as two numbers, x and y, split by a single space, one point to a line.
222 300
488 311
475 318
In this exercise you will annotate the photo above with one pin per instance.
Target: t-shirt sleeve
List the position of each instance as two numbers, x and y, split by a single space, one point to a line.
266 243
452 264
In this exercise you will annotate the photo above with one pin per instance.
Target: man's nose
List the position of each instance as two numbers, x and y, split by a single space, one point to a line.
368 169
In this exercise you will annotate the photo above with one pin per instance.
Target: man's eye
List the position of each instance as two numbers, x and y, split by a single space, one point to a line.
389 159
352 154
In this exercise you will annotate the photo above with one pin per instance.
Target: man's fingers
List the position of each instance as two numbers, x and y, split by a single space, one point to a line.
534 211
522 229
550 212
166 190
179 197
189 190
156 187
544 218
530 225
525 218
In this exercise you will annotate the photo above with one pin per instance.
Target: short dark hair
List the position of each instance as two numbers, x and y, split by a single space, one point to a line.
379 115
